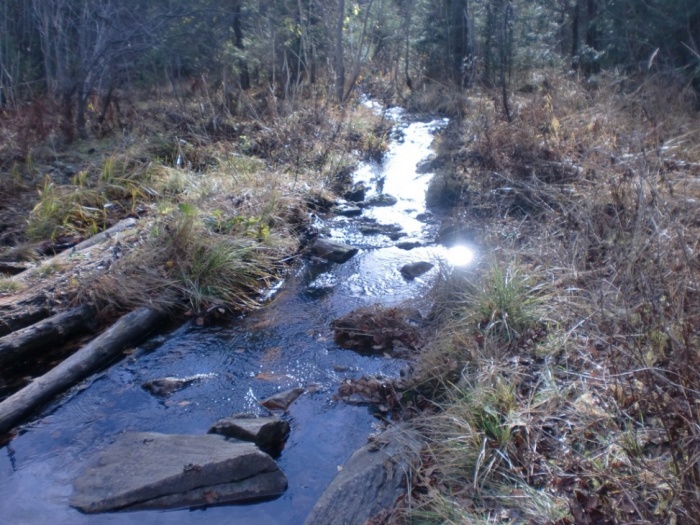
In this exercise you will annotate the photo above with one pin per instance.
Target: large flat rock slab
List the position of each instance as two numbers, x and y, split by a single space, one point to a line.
150 470
370 481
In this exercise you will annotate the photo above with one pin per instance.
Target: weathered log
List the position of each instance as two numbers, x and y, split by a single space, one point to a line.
20 317
122 225
96 354
51 331
11 268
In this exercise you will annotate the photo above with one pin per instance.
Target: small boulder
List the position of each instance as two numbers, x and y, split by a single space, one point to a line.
333 251
268 433
412 270
147 470
383 199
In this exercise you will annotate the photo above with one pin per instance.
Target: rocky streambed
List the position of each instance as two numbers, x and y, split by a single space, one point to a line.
136 436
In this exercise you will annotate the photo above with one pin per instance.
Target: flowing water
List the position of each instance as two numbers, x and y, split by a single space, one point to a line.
284 345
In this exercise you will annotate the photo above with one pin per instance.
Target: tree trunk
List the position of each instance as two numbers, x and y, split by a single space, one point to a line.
575 32
49 332
458 39
504 52
96 354
67 115
339 59
592 36
80 120
244 75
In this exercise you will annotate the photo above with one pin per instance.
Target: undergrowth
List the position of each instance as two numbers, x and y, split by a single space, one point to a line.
564 377
222 195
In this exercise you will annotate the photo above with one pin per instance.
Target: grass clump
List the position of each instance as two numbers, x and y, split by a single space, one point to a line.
184 264
9 286
93 200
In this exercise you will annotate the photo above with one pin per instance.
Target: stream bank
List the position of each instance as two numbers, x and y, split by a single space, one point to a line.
287 344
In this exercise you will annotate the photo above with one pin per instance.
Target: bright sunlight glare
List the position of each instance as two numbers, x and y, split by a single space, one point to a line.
459 255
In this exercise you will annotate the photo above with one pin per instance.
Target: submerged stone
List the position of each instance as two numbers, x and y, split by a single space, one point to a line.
333 251
165 386
143 470
382 229
409 245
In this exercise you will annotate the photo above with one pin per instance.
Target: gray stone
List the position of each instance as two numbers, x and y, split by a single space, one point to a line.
371 480
333 251
383 199
151 470
414 269
269 433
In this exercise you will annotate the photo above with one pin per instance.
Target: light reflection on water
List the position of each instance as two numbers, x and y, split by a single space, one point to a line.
285 345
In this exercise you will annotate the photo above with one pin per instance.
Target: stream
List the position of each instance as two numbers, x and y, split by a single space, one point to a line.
286 344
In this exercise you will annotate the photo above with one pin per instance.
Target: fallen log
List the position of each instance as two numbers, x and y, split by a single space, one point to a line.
96 354
50 331
23 309
20 317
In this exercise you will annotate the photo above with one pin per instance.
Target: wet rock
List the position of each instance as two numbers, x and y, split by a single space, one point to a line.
147 470
424 217
268 433
383 199
346 210
282 400
371 481
357 193
333 251
165 386
409 245
412 270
